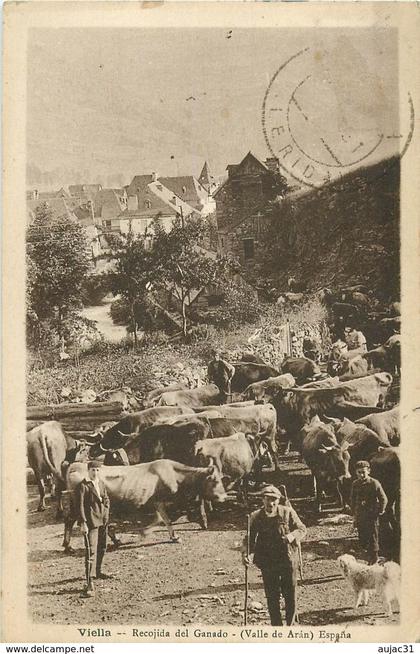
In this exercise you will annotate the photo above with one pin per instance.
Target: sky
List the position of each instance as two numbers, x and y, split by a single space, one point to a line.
106 102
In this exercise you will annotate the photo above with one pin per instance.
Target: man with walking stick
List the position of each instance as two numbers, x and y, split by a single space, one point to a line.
93 518
274 534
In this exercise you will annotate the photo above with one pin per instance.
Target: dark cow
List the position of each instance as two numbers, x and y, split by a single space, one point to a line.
134 423
156 484
302 369
248 357
387 356
386 424
328 461
248 373
157 441
296 407
191 398
266 390
386 468
47 448
176 442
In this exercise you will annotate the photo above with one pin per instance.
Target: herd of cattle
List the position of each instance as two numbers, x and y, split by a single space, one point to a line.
184 449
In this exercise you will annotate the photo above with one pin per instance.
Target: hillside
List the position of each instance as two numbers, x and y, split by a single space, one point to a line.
345 233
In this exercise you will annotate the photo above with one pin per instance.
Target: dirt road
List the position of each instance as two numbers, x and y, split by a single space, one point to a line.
197 581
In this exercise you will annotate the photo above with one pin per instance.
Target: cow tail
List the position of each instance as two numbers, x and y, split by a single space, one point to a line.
44 446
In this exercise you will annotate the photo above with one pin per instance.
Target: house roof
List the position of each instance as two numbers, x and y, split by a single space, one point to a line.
139 182
170 198
84 189
188 188
109 198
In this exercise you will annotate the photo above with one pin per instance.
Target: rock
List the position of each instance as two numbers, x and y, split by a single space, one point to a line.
323 542
256 606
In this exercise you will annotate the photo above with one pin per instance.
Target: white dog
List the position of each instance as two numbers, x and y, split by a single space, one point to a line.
366 579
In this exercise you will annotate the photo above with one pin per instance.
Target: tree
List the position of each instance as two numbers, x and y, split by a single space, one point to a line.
58 261
182 265
133 272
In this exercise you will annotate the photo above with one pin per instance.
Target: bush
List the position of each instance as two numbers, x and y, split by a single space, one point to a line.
239 305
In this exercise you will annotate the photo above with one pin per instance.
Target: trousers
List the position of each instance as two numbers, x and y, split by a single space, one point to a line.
368 530
95 548
280 581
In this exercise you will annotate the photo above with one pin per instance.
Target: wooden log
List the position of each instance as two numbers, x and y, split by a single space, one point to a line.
105 410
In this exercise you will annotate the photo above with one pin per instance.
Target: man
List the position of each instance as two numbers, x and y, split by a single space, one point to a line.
275 532
368 502
355 340
220 372
93 520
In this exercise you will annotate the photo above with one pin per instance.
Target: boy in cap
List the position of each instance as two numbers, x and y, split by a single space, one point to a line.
275 531
368 502
220 372
93 520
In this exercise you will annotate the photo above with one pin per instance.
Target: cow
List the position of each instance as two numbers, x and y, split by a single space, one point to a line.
156 484
47 448
327 460
341 361
191 398
175 442
362 442
247 419
264 391
133 423
153 397
302 369
297 406
386 468
248 357
327 382
235 456
386 356
248 373
386 424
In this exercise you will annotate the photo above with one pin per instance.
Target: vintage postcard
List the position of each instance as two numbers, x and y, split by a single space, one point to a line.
210 322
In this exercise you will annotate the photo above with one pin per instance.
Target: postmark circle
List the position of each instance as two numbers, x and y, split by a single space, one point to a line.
321 128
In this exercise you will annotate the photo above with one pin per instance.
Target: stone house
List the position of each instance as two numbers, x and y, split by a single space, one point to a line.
243 206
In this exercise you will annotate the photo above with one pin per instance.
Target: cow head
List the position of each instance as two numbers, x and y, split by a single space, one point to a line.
212 488
113 439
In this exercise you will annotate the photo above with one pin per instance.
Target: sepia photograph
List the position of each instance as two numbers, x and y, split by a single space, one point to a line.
211 258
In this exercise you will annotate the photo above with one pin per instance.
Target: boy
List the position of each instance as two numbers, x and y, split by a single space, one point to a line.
368 502
93 520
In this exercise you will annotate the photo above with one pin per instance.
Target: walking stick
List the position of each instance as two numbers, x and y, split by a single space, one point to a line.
300 562
87 545
229 393
248 522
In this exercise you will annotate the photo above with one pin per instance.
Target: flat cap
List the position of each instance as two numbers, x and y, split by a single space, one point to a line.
362 464
94 464
271 491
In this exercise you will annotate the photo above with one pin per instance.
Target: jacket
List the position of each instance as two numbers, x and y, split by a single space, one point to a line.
93 510
268 554
368 499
